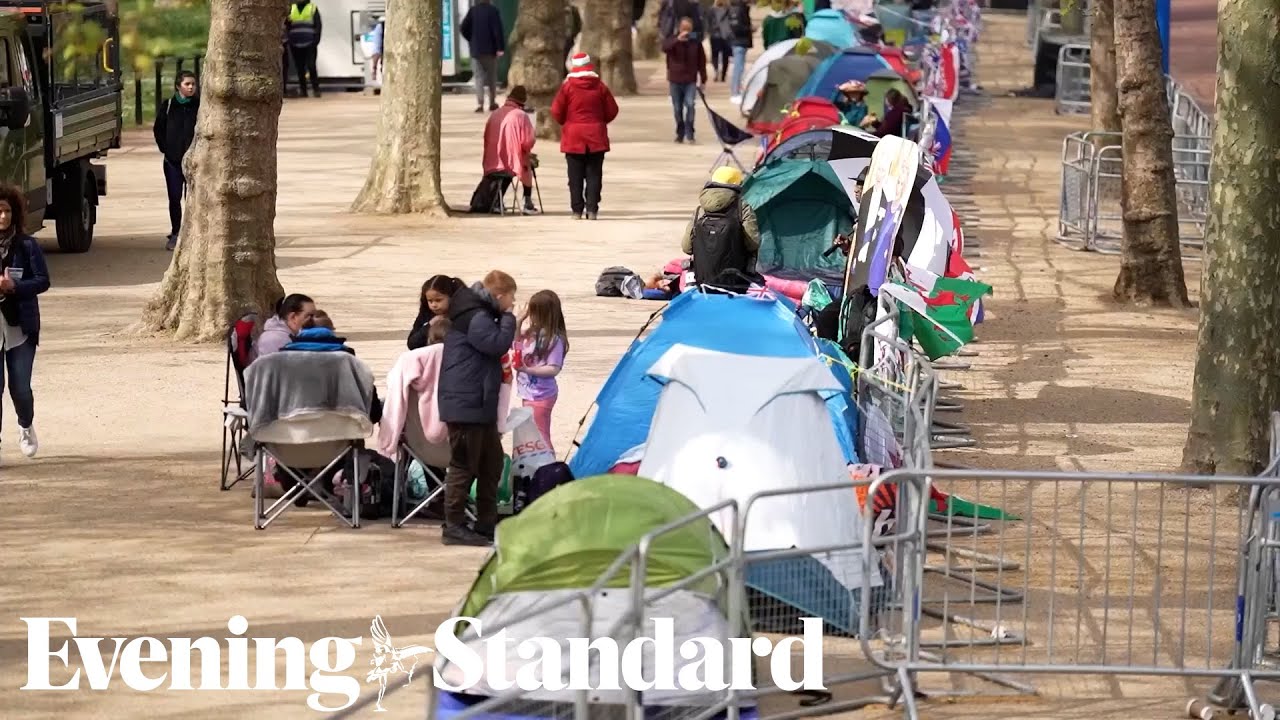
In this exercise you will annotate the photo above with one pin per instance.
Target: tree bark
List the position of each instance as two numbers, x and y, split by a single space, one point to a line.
225 265
648 42
606 37
1151 258
1104 105
538 41
404 175
1237 376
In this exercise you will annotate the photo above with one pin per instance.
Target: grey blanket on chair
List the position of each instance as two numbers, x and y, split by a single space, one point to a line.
289 384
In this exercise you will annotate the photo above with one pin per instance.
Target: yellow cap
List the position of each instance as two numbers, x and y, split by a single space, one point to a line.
727 175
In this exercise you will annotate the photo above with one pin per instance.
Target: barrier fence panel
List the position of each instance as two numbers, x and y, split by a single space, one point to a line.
1072 93
1108 575
1089 210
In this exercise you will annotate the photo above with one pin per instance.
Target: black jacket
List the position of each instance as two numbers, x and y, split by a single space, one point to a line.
471 368
482 28
175 129
421 327
740 21
22 307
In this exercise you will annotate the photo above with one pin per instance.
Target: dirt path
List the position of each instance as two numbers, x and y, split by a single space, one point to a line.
120 524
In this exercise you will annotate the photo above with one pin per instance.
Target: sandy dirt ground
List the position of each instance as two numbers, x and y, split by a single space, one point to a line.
119 522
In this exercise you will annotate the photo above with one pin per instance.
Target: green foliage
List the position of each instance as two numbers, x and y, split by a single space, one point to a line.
148 30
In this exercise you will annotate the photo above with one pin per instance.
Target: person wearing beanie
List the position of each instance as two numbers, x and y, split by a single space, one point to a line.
583 108
724 236
508 144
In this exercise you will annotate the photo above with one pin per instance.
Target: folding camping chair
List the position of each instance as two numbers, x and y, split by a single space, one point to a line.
516 188
415 446
323 439
729 135
235 419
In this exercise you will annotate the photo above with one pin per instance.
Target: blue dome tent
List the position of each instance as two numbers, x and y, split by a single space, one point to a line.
858 63
831 26
765 327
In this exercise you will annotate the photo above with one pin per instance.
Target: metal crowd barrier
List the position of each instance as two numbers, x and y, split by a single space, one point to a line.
1072 93
1089 212
1113 575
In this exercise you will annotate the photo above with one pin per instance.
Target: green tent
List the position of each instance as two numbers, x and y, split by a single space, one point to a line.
571 535
879 82
784 78
800 206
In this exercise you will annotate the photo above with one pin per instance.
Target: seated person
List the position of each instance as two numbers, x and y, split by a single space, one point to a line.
723 236
851 100
896 117
319 337
292 313
508 144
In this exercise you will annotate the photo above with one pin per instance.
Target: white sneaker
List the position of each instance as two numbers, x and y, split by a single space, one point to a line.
735 99
27 441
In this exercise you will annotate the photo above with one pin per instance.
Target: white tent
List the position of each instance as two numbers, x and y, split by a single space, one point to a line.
730 426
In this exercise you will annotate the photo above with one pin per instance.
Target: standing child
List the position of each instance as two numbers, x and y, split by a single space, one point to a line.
468 392
539 357
433 303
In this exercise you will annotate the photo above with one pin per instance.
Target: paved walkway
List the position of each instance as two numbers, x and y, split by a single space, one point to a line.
119 523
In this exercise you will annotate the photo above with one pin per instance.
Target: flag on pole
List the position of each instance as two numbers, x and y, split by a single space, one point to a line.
941 110
945 305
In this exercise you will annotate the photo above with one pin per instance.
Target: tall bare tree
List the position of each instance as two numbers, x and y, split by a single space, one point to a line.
648 44
606 37
1104 103
1237 377
404 175
538 47
1151 258
225 261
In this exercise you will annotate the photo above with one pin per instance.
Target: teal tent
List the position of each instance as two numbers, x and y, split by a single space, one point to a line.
800 206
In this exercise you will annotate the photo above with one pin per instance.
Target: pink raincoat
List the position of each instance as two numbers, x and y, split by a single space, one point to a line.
508 140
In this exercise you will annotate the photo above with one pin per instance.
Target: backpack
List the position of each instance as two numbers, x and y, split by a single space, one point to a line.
717 243
618 281
487 197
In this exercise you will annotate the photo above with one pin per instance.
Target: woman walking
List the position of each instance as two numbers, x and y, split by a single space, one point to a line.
720 30
25 276
583 108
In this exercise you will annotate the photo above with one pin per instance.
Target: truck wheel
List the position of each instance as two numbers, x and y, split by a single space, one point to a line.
76 199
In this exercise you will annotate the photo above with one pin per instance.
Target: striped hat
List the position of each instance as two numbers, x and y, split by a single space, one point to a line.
580 63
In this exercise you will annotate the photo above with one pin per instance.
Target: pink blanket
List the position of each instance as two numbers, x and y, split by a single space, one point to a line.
419 370
793 289
508 140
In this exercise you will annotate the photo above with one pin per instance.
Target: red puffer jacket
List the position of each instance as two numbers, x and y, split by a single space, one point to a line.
584 107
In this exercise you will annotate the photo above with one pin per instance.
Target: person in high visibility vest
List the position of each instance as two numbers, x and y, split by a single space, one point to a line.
303 30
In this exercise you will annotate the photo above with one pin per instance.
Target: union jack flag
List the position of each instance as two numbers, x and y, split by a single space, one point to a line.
760 291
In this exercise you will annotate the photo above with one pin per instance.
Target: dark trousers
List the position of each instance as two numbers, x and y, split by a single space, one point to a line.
586 177
485 68
683 96
475 452
19 363
721 50
176 183
304 62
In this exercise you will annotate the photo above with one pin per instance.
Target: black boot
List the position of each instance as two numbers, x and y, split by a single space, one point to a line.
463 535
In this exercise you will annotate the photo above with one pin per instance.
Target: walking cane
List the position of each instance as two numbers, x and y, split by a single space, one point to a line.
536 188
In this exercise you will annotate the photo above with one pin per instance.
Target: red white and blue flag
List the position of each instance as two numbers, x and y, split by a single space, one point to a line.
940 108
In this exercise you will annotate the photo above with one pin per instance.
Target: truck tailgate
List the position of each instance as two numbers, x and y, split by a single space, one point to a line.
86 125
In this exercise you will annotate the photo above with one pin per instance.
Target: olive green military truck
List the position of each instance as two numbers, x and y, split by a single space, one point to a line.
60 108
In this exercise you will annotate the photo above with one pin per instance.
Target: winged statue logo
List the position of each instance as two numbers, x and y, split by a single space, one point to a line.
389 660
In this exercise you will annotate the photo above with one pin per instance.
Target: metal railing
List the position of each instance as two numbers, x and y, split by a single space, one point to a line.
165 69
1089 209
1071 95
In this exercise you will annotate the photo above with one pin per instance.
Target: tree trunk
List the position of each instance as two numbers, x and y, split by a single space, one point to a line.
404 175
1237 377
1151 258
648 43
606 37
1104 104
538 63
225 264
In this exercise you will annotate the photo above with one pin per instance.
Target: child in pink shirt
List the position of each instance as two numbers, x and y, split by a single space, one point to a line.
540 347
